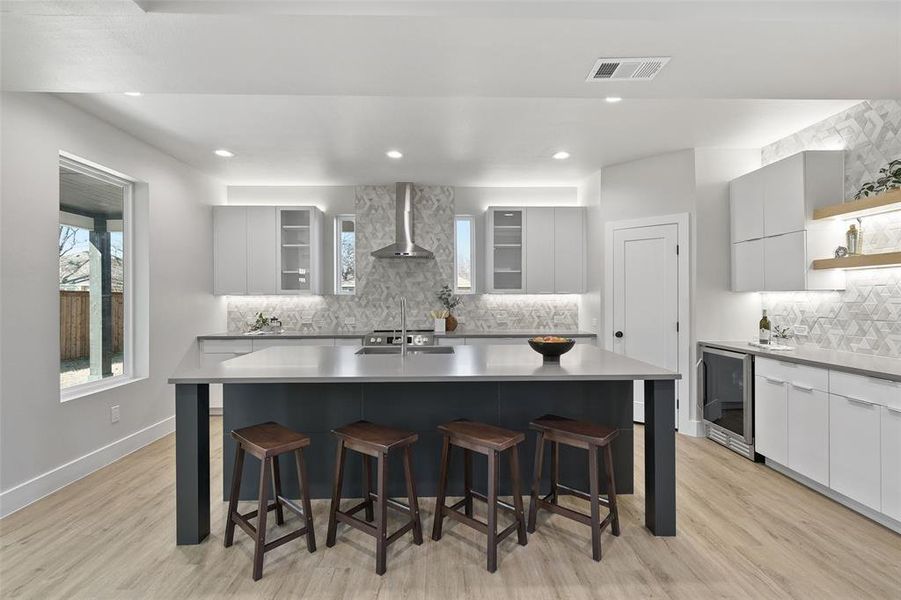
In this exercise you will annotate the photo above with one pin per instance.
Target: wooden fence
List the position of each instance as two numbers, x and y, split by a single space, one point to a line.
75 321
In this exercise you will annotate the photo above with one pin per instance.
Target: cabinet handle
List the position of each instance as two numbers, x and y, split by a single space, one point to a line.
859 401
771 380
803 388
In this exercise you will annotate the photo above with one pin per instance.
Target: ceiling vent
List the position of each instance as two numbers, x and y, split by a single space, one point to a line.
627 69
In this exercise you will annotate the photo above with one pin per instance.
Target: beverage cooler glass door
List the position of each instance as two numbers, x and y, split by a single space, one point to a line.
726 392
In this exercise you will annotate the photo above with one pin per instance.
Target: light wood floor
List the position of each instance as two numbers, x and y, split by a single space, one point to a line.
744 532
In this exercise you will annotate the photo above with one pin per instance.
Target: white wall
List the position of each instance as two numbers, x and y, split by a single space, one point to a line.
591 315
693 181
44 443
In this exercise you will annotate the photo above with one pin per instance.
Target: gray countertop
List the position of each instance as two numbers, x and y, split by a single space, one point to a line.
329 364
849 362
460 333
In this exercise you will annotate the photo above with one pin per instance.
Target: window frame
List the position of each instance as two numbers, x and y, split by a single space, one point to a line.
472 254
339 219
128 184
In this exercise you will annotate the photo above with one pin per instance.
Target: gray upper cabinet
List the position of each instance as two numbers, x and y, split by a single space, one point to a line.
229 250
261 250
266 250
536 250
540 238
774 240
569 250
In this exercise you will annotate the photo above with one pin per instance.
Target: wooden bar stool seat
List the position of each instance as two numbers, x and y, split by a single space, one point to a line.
590 437
375 441
491 441
267 441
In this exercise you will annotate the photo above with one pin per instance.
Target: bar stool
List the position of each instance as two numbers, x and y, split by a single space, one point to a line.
267 441
578 434
490 441
375 441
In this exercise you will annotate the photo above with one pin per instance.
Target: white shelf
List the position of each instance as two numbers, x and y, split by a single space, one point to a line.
295 245
295 226
508 270
508 245
508 226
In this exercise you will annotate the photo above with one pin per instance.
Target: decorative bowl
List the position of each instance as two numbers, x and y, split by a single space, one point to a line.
551 347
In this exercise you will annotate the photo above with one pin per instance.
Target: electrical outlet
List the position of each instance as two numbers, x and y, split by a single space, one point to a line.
800 329
461 319
594 324
114 413
350 321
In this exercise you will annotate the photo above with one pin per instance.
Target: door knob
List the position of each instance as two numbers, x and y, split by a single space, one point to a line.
618 334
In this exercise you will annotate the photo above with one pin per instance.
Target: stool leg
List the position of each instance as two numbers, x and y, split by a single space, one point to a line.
381 544
595 502
336 496
411 496
492 511
233 496
555 471
367 487
259 547
536 482
611 487
442 489
277 488
305 499
467 482
517 496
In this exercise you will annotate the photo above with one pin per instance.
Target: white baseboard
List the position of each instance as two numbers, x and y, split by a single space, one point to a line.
20 496
693 429
875 515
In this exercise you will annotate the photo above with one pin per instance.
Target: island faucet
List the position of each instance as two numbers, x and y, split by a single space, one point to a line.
403 326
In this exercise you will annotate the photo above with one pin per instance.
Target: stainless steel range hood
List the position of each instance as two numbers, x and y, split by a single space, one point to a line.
404 245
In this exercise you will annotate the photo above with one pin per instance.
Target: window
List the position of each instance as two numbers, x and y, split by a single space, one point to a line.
464 251
94 274
345 254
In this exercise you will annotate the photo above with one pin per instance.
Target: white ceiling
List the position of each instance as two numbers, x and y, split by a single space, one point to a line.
316 140
474 92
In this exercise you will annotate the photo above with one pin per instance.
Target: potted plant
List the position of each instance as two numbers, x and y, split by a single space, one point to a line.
449 301
890 178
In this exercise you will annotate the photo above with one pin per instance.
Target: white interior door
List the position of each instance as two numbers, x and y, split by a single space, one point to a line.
646 299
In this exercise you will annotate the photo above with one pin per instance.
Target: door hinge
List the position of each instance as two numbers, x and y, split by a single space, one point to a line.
677 249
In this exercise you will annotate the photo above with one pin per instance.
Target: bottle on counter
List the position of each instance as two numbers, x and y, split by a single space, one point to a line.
765 329
853 238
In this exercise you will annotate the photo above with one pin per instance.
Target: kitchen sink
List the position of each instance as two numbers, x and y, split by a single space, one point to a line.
410 350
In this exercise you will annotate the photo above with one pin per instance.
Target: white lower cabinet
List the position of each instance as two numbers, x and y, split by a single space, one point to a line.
854 449
771 418
808 432
891 461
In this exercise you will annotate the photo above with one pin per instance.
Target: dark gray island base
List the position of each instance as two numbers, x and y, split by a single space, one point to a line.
314 390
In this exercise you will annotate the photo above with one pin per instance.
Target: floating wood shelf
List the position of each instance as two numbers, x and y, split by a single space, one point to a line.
885 202
859 261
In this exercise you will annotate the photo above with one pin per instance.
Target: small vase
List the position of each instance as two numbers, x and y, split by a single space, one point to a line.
450 323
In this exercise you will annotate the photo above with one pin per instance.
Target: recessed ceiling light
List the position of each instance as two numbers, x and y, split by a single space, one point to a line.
223 153
562 155
613 99
394 154
132 93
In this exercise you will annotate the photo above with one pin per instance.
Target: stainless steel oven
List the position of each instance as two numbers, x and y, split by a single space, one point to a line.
726 398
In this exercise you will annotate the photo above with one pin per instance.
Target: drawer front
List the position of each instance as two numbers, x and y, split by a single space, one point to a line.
802 377
226 346
870 389
262 344
854 450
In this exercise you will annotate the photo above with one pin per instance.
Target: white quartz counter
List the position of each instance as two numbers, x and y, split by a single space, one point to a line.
322 364
849 362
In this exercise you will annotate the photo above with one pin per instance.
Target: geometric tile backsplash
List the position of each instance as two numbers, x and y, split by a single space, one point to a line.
382 282
866 316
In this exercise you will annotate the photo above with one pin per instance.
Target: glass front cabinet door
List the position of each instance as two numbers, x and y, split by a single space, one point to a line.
506 256
299 252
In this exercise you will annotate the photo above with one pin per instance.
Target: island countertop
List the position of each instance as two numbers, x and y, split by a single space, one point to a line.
336 334
325 364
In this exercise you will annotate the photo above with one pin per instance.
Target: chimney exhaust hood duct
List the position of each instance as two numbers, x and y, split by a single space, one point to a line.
404 245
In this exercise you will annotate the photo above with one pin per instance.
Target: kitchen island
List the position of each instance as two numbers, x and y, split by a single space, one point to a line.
314 389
